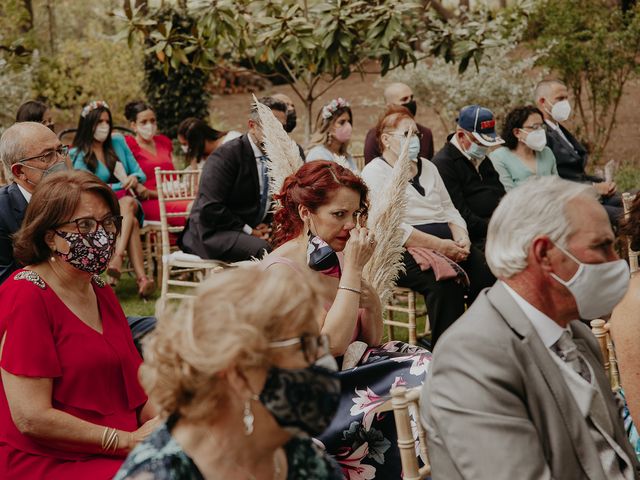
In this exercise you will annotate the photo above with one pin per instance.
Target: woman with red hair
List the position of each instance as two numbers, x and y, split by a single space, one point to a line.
319 228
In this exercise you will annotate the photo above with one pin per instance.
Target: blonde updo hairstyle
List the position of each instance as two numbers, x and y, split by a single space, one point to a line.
234 316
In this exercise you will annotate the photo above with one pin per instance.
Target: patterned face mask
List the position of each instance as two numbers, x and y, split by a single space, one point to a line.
322 258
90 252
304 400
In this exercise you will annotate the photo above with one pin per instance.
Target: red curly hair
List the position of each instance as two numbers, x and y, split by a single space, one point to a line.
312 186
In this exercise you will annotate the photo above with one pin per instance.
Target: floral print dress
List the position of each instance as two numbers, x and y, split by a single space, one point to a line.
160 457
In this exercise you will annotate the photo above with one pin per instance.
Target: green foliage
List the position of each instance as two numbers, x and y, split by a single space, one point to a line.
594 49
177 92
17 40
15 88
95 68
627 177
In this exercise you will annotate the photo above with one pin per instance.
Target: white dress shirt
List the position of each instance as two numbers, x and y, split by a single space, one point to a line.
25 194
436 205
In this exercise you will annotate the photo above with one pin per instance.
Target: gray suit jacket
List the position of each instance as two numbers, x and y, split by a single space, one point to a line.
496 406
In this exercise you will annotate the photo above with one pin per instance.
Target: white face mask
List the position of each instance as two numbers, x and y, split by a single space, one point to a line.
184 148
101 132
147 131
596 287
536 140
561 110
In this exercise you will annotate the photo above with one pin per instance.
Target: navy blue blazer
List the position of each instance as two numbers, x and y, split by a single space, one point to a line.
12 208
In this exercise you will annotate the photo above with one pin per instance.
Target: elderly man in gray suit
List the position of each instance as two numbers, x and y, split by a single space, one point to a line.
517 389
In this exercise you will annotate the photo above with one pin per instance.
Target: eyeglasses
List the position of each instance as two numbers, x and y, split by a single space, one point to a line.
313 347
49 157
86 225
537 126
407 134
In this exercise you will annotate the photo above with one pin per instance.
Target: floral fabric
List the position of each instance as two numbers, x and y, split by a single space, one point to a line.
365 442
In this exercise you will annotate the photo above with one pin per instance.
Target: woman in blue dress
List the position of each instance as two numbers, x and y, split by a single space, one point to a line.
109 158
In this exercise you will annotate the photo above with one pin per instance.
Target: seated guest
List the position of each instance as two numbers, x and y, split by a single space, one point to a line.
35 111
198 140
70 402
623 325
151 151
258 386
525 152
28 151
229 218
401 95
431 222
332 134
109 158
517 388
468 173
552 98
318 235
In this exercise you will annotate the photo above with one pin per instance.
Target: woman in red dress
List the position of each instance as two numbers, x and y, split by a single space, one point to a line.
71 406
151 150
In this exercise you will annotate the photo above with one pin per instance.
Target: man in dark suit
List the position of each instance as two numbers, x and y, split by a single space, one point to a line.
517 388
399 94
552 98
28 151
228 220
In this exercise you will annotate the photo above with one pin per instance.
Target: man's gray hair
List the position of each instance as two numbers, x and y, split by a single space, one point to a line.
13 146
543 86
538 207
272 103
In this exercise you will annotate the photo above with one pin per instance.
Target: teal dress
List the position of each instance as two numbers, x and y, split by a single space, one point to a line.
102 172
514 172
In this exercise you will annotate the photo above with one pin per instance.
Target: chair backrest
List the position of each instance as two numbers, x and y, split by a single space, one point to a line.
406 402
180 186
601 331
627 202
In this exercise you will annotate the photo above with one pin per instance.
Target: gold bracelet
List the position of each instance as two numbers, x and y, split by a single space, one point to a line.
354 290
111 440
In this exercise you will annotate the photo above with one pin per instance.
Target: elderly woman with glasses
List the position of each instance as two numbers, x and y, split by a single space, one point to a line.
241 397
70 402
525 153
439 260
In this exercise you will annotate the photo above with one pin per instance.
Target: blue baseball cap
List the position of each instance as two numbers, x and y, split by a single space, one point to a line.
480 122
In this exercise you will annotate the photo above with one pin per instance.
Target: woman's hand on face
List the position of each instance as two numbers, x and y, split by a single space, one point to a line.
452 250
359 248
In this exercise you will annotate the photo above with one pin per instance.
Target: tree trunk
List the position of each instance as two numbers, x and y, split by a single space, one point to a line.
308 127
52 26
437 6
28 25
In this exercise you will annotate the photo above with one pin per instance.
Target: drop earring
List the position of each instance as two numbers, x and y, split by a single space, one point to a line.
248 417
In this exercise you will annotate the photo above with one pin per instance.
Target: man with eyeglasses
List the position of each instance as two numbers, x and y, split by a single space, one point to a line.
552 98
28 152
467 172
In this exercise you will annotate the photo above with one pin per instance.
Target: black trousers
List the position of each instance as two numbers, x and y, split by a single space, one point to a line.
445 299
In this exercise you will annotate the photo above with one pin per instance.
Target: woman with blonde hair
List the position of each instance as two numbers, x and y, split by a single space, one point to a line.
332 134
243 377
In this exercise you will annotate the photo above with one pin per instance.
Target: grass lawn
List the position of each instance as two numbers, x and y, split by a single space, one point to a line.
133 305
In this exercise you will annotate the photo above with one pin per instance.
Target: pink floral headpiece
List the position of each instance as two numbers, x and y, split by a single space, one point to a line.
330 108
92 106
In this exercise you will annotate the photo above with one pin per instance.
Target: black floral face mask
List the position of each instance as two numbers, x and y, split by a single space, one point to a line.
90 252
304 400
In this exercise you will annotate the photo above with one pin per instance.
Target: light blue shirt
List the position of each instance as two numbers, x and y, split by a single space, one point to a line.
514 172
320 152
125 157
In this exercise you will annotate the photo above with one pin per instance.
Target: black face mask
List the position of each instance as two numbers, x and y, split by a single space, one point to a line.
411 106
305 400
291 121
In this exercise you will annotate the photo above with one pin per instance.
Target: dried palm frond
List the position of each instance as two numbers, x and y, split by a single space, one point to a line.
385 216
282 151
